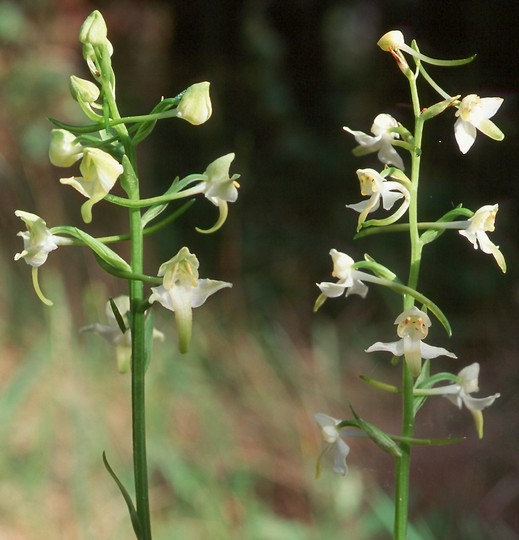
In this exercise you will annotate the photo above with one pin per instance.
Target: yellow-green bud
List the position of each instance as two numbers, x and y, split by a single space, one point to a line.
64 151
83 91
391 41
195 106
93 31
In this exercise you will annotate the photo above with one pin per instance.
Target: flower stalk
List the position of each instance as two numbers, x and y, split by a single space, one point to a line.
413 323
107 150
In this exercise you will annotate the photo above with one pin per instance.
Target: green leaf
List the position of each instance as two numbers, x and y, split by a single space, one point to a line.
166 221
101 250
379 437
117 314
129 503
442 441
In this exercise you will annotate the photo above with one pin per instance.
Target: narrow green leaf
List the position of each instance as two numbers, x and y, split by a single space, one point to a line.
117 314
443 441
129 503
379 437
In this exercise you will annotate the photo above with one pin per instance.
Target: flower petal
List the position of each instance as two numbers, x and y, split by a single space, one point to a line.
465 134
396 348
430 351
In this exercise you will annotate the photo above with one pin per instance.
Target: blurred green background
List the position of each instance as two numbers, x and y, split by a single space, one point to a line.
232 440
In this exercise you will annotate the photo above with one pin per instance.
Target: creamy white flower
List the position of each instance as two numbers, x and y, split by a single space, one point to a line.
38 241
112 333
460 394
473 114
100 172
479 224
349 279
381 141
413 327
219 188
64 151
372 184
332 438
182 290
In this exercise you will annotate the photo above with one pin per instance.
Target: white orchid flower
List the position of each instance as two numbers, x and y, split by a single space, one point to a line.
112 333
332 438
182 290
479 224
375 186
381 141
38 242
349 279
100 172
460 394
413 327
474 114
219 188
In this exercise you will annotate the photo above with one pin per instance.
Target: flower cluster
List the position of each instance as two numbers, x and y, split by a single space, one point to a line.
105 152
390 187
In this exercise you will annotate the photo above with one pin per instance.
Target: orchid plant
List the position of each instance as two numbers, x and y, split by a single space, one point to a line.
105 148
418 380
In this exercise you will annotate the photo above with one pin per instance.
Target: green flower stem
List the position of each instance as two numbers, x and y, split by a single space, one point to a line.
140 464
404 461
161 199
404 227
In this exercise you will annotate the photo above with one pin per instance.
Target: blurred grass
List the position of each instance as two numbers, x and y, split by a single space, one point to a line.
232 443
232 446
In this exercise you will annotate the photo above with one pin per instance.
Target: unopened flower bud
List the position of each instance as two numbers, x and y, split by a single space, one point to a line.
83 91
195 106
391 41
93 31
64 151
